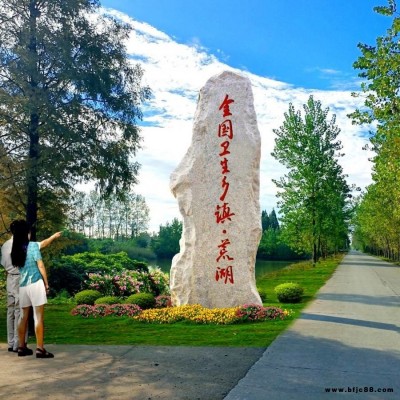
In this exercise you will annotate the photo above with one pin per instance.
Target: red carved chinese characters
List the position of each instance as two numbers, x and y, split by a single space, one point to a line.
225 274
225 106
225 187
225 129
224 165
223 250
225 146
223 213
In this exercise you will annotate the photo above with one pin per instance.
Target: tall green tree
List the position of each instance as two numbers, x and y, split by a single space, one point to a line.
70 98
378 214
378 67
314 193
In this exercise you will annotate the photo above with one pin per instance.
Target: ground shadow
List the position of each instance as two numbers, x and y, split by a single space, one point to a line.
351 321
366 263
390 301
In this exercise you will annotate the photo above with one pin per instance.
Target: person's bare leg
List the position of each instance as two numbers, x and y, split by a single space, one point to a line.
39 325
22 326
41 352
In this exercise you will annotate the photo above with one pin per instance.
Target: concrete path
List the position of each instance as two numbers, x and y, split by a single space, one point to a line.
348 338
125 373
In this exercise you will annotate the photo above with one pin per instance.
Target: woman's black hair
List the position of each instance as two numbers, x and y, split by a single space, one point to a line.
20 230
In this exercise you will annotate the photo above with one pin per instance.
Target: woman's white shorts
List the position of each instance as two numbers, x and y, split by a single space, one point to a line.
33 294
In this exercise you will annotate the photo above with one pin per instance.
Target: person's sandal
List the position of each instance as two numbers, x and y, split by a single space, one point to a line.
43 353
24 351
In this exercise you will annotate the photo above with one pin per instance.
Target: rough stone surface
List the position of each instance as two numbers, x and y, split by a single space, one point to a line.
217 188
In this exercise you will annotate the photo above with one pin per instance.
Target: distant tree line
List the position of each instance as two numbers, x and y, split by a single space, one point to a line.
112 217
271 245
165 243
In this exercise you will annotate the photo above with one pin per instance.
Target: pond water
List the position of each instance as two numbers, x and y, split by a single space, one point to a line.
262 266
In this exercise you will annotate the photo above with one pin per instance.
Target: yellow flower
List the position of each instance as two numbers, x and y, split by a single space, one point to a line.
192 313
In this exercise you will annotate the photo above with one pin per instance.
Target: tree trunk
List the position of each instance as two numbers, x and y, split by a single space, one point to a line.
32 176
314 255
33 130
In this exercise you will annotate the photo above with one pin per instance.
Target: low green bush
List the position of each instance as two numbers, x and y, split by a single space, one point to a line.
87 297
143 300
3 290
289 292
263 294
62 297
108 300
102 263
65 276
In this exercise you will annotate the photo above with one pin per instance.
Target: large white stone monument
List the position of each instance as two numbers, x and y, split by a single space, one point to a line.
217 188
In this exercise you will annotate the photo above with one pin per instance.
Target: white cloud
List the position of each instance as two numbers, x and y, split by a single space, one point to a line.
336 80
176 72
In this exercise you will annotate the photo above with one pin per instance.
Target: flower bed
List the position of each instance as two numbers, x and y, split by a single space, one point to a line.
126 282
193 313
103 310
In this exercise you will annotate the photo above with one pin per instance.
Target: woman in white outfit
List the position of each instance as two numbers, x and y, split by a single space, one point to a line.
33 287
13 277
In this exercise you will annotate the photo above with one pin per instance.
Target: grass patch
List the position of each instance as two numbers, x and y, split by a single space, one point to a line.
63 328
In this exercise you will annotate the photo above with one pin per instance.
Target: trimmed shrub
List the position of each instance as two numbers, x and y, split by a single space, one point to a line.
87 297
289 292
102 263
108 300
263 294
163 301
254 312
143 300
62 275
126 282
129 310
62 297
3 290
159 281
120 284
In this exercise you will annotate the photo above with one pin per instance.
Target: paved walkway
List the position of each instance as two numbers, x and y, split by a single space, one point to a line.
349 338
125 373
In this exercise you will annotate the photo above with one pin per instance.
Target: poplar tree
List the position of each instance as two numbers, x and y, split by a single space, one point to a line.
378 216
70 100
313 194
265 222
273 220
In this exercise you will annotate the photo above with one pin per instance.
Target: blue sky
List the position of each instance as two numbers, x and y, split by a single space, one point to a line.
308 43
289 49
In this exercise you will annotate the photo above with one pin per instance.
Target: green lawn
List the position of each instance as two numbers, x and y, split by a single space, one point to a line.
63 328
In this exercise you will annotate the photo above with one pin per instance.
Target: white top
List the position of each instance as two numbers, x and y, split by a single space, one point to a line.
6 258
